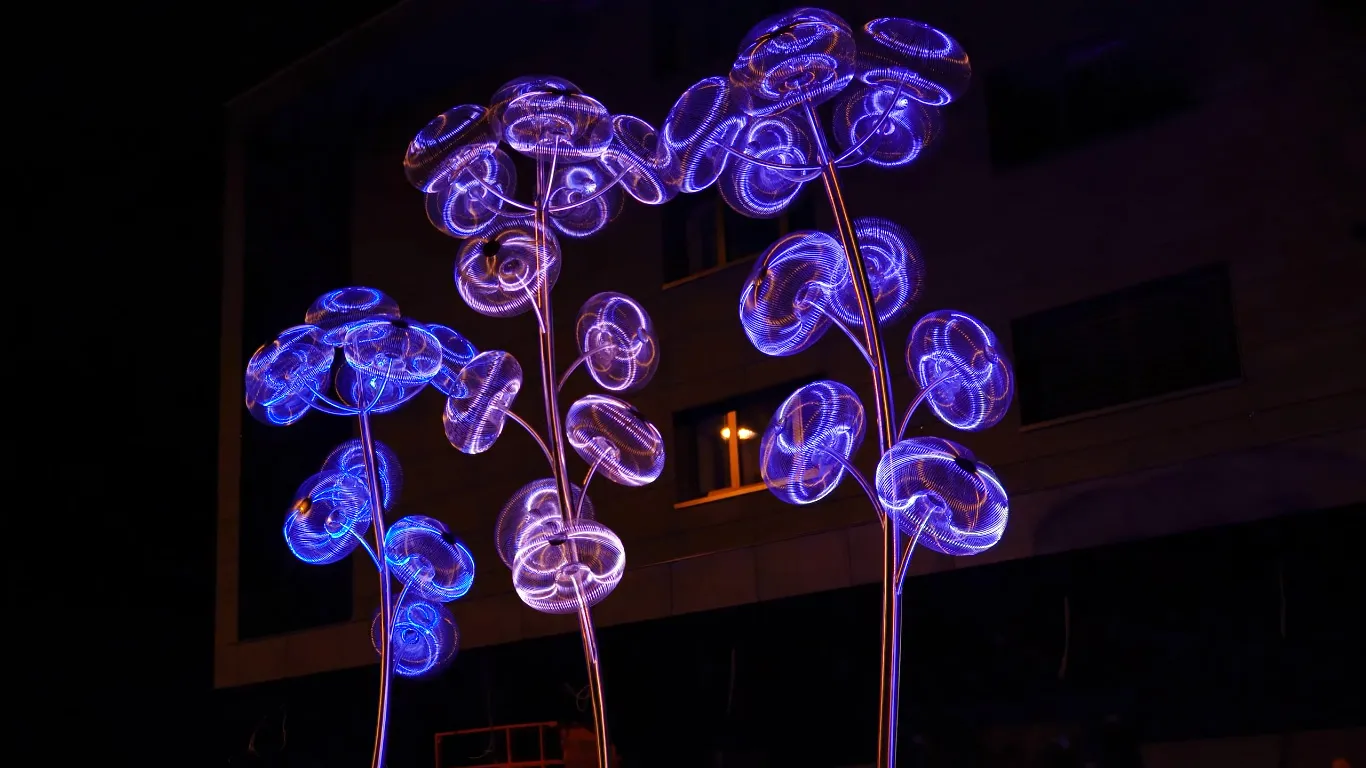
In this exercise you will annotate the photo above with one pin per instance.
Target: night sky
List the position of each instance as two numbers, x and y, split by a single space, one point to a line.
116 169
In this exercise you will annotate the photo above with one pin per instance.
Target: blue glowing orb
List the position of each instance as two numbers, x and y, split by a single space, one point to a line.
349 459
329 515
578 566
938 485
425 637
814 429
703 121
283 376
425 556
957 356
616 335
615 437
534 509
927 64
500 272
335 311
474 415
788 299
798 55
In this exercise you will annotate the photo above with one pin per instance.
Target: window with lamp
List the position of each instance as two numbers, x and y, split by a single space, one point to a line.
702 233
717 446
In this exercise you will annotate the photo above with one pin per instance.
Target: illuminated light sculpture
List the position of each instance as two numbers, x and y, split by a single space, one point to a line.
385 360
756 134
587 161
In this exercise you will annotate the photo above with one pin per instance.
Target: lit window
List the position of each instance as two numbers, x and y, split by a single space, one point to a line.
717 451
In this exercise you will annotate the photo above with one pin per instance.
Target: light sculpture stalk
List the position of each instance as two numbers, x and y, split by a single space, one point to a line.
385 361
757 134
586 159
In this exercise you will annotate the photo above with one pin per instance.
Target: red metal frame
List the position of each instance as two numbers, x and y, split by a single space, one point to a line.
507 730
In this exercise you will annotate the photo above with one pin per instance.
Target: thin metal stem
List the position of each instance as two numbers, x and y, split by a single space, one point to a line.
599 193
369 550
550 394
886 424
882 120
843 326
530 430
590 655
522 208
580 360
906 558
814 170
920 396
583 493
854 472
386 665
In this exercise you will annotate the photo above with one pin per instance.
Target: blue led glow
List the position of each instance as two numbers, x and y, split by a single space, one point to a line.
618 341
649 168
329 515
579 565
349 459
957 355
548 117
487 385
760 132
499 272
335 311
760 191
456 353
787 301
470 201
583 191
398 350
424 636
430 561
447 145
806 54
614 437
815 429
534 509
939 485
282 375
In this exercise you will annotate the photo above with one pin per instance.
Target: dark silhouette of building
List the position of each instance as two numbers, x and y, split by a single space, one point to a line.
1158 208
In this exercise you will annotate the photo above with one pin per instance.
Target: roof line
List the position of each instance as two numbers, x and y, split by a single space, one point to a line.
333 43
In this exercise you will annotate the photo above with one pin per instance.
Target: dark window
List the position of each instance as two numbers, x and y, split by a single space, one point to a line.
1071 98
717 446
701 232
1153 339
297 246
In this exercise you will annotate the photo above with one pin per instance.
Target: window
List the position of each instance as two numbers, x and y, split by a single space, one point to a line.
1157 338
702 233
1068 99
718 445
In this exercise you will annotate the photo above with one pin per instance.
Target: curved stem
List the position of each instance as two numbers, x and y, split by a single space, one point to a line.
886 425
386 665
599 193
583 494
530 430
920 396
843 326
886 114
867 487
328 405
814 170
369 550
580 360
905 565
550 394
522 208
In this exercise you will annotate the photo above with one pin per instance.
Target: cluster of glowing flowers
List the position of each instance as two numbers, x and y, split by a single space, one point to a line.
388 359
331 510
801 284
457 161
751 128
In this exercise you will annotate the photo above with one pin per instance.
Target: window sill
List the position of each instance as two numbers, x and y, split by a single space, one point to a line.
726 493
706 273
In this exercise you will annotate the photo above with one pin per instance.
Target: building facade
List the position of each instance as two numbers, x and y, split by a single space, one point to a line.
1158 209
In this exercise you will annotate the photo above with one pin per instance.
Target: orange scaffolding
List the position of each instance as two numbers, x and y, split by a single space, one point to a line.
527 745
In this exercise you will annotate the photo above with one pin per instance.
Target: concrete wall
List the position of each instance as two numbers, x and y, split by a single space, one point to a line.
1258 174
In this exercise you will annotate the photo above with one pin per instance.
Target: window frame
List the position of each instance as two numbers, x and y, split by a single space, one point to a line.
723 256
